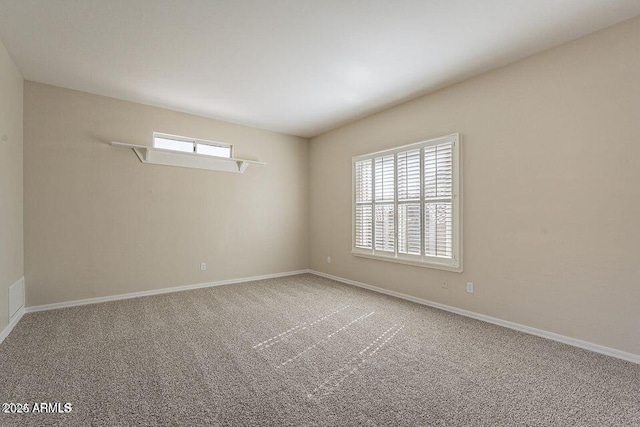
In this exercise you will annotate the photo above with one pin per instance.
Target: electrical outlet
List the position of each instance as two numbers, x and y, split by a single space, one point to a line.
445 284
203 266
328 260
470 287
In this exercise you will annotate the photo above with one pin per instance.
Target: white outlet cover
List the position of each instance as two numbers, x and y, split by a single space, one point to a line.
470 287
203 266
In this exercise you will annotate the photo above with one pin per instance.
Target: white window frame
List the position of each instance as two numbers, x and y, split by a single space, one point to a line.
455 262
195 142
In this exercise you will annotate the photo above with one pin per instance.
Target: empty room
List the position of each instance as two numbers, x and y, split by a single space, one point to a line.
320 213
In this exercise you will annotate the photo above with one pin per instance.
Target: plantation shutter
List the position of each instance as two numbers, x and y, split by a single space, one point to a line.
385 179
438 196
385 203
406 204
364 198
409 217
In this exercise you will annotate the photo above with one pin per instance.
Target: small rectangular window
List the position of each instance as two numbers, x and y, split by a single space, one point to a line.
213 150
172 144
406 204
191 145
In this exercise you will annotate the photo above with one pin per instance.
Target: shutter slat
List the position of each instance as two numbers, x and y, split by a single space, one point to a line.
438 171
385 227
409 175
364 214
364 226
385 178
364 181
438 229
409 229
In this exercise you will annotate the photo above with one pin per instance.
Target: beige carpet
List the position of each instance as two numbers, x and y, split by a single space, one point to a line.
301 350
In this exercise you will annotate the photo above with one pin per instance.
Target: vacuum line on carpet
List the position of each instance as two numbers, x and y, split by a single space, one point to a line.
329 385
322 341
279 335
377 339
295 330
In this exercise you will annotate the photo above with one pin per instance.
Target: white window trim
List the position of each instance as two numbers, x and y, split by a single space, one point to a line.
194 142
454 264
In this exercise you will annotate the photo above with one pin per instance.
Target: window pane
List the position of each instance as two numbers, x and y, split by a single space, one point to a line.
364 227
409 228
438 171
409 175
385 228
385 174
213 150
364 183
173 144
438 229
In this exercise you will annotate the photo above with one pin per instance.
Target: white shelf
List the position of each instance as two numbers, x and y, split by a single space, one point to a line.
159 156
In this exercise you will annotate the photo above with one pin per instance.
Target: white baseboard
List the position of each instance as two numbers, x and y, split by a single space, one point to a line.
16 298
97 300
12 324
507 324
15 304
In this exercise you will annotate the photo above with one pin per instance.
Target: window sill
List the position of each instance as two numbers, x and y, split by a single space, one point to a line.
433 265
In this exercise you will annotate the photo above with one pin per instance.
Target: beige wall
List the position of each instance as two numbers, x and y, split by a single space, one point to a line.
551 190
98 222
11 241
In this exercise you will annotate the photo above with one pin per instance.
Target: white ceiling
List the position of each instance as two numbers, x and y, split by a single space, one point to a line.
295 66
